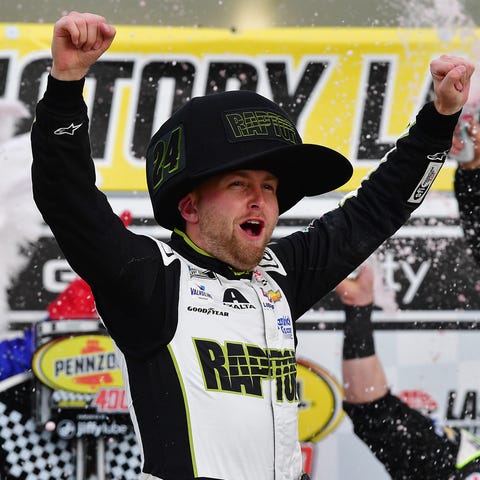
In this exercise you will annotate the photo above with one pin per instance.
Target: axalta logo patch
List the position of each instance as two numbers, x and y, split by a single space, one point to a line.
81 364
320 401
234 299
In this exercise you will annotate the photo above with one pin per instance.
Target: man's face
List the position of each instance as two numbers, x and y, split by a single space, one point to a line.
237 212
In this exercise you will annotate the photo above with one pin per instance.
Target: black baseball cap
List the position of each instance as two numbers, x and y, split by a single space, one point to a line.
235 130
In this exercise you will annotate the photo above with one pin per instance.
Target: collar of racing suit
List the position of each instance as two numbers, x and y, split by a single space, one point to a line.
182 244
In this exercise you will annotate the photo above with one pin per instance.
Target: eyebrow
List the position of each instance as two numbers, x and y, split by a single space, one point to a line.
243 173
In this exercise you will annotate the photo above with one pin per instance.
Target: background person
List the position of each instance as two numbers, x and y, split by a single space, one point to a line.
467 186
409 444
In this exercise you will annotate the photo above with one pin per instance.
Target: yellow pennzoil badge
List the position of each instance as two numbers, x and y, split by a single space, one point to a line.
80 364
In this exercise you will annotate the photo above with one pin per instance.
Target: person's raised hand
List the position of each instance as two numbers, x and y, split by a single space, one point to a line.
359 290
451 83
79 39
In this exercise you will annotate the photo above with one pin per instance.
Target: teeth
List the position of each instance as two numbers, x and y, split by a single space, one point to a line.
254 222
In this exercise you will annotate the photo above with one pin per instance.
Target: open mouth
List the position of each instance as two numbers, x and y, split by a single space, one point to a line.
252 227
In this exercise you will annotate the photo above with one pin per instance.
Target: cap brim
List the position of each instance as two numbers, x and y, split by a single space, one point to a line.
303 170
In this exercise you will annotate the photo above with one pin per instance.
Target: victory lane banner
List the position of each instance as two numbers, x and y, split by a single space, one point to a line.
352 89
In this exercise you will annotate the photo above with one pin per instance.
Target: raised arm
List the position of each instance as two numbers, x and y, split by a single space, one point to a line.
92 238
407 443
339 241
121 267
364 379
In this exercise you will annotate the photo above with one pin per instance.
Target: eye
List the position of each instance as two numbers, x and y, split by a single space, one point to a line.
237 183
270 187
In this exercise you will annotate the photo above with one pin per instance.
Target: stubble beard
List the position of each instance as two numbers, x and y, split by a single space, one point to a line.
229 248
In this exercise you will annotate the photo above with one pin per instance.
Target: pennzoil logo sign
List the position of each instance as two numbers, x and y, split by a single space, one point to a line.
320 401
80 364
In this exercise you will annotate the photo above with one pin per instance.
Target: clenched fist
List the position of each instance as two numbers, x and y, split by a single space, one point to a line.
79 39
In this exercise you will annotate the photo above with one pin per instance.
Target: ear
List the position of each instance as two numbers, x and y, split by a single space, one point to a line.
188 209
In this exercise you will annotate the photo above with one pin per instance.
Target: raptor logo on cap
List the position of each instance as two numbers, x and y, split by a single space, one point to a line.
255 124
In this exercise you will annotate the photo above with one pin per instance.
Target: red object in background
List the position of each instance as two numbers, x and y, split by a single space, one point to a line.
126 217
94 380
74 303
307 455
92 346
418 400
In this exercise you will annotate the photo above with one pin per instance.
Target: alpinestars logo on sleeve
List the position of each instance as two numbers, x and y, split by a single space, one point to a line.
70 130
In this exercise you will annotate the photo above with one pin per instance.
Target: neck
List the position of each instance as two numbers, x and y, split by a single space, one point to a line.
191 243
236 271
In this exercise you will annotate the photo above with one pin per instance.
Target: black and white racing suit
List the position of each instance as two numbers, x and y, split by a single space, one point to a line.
209 352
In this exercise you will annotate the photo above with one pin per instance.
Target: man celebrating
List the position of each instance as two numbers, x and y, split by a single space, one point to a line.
206 322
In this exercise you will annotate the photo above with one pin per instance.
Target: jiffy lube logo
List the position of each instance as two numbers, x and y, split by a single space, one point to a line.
320 401
81 364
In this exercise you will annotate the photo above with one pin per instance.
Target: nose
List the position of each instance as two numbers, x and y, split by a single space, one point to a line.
257 198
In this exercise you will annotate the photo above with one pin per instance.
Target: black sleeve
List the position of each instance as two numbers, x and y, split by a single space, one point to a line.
358 341
406 442
467 193
92 237
123 269
333 246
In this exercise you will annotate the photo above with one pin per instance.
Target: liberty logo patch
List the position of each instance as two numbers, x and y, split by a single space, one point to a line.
284 324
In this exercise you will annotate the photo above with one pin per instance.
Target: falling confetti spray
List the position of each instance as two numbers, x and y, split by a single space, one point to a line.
449 19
